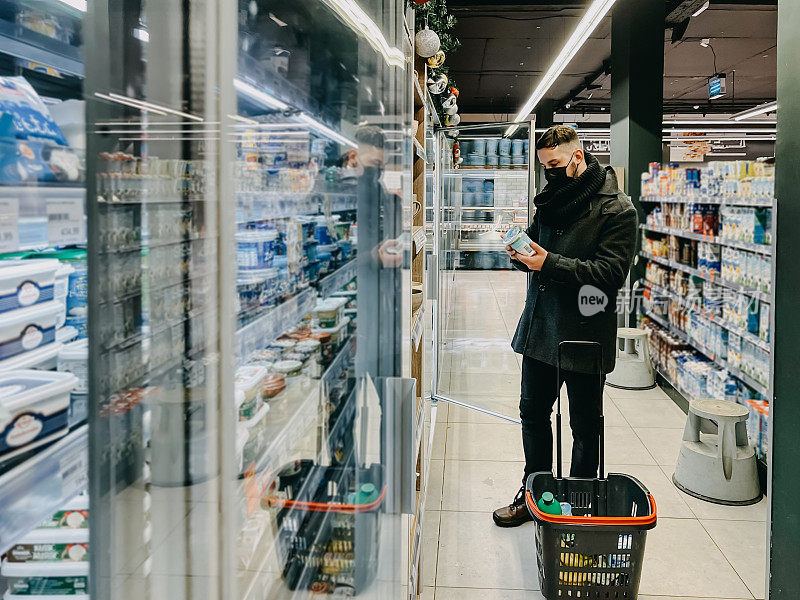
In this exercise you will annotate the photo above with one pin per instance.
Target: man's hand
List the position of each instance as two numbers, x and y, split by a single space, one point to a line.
535 262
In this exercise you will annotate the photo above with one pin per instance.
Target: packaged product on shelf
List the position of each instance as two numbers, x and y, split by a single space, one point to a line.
66 578
25 116
73 515
35 407
27 282
249 381
337 333
329 312
50 545
734 350
25 329
74 358
764 322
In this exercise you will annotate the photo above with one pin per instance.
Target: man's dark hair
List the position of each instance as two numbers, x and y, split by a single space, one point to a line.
556 136
371 135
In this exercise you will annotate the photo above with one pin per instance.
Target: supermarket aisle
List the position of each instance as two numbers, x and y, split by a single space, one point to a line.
698 550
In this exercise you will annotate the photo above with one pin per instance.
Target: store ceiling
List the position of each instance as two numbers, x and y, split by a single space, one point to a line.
507 47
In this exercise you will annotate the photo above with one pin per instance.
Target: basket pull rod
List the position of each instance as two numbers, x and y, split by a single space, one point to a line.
598 349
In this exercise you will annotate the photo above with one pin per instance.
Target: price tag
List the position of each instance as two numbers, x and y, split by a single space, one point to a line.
74 473
9 224
65 221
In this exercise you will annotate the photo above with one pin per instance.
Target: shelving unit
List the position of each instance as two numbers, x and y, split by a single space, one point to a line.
692 307
426 116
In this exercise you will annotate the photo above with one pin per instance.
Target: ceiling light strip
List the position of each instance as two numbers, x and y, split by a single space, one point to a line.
595 13
153 106
131 104
761 109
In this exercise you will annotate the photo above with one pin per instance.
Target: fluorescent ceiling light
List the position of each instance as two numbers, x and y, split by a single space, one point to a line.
76 4
243 119
257 95
595 13
355 17
715 122
155 107
131 104
737 130
761 109
702 9
326 131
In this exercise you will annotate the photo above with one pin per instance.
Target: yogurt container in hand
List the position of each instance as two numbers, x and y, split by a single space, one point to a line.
517 239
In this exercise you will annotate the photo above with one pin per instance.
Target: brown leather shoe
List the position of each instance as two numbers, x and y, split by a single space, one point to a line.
514 514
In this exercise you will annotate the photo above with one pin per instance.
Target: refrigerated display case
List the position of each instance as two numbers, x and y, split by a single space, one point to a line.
249 174
43 432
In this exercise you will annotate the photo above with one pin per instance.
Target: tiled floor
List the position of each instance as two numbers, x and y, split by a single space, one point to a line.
697 550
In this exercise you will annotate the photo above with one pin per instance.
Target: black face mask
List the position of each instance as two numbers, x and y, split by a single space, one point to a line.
557 176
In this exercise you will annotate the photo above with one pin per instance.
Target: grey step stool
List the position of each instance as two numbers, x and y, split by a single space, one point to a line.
716 462
633 370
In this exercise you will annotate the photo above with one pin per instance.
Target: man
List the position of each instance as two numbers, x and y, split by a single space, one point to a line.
584 236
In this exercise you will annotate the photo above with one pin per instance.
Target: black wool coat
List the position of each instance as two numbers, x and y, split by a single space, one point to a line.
596 249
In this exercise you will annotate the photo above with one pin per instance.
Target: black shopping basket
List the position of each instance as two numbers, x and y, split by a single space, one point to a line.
598 551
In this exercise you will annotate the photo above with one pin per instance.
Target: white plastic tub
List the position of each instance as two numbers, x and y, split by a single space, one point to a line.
338 333
329 312
46 579
26 282
51 545
72 515
44 358
33 409
249 381
74 358
28 328
60 290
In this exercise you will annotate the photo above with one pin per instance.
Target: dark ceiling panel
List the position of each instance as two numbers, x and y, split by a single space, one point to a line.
497 36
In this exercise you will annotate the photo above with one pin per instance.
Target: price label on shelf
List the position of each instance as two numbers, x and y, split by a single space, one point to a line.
65 221
9 224
74 473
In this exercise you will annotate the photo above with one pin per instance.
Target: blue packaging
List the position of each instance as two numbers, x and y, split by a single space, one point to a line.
25 116
491 146
504 147
79 323
78 291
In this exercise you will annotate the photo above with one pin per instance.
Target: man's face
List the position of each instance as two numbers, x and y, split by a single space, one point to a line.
370 156
561 156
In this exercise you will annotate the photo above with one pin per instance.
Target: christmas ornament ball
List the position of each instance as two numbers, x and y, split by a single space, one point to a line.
427 43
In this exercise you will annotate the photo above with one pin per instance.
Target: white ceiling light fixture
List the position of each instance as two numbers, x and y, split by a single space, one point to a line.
326 131
355 17
131 104
702 9
259 96
761 109
594 14
705 42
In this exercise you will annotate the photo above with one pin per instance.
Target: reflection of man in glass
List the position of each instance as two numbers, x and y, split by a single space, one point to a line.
380 254
370 160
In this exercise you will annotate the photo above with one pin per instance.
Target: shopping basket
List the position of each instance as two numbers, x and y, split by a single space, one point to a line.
598 551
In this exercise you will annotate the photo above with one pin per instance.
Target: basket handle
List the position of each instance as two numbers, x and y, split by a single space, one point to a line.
597 348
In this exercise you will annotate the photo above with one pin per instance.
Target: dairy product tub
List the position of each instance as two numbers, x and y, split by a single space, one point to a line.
26 282
74 358
65 578
34 408
28 328
43 545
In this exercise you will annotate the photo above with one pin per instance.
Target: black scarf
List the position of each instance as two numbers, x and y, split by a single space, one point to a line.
562 204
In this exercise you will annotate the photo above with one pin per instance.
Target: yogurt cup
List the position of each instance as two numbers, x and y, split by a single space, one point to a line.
290 368
519 241
255 250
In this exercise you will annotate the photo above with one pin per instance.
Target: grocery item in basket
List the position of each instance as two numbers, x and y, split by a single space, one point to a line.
548 504
519 241
33 408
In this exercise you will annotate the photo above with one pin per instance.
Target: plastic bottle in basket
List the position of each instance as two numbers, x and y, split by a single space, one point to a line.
548 504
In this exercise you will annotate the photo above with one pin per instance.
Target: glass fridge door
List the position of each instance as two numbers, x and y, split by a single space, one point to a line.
251 433
476 203
322 182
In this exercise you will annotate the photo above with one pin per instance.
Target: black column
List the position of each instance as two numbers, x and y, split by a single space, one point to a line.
784 450
637 73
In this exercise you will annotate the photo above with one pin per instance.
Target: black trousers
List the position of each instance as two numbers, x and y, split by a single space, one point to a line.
539 392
